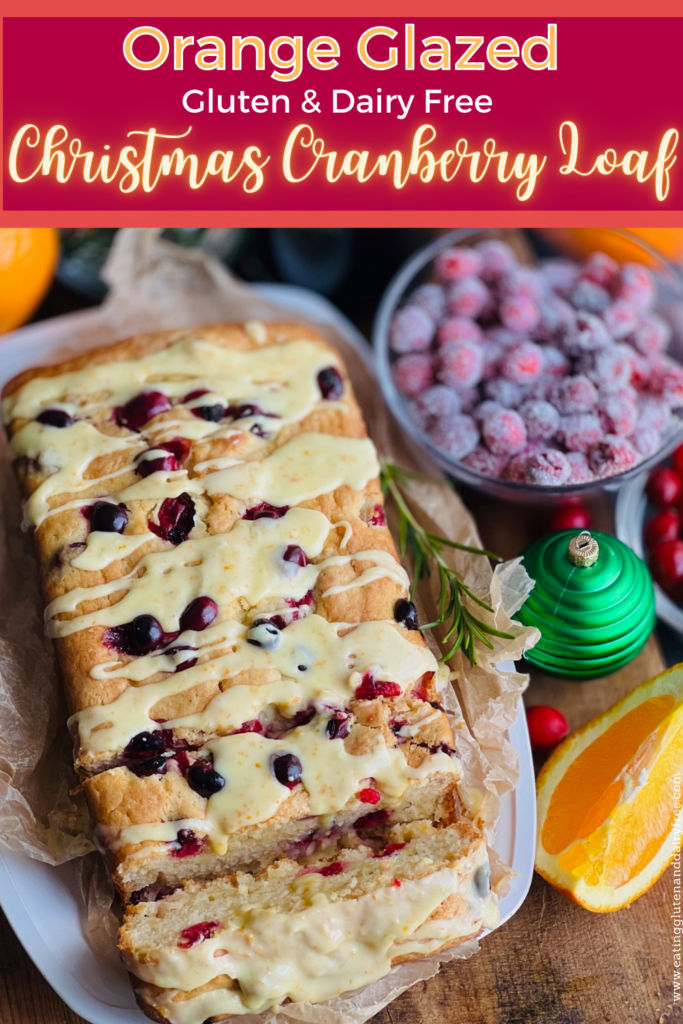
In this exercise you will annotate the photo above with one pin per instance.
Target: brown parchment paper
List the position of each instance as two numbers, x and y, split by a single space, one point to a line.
156 285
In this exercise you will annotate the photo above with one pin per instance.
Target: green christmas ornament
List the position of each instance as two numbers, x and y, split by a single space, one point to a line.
593 603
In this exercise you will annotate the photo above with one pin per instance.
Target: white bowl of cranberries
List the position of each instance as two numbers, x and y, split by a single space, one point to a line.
649 517
533 377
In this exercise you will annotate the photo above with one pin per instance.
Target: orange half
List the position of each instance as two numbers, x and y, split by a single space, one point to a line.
609 798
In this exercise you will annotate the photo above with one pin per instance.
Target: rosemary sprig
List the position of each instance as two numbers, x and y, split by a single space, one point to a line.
425 548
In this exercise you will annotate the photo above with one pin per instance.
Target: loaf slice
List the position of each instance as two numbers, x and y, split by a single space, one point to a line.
246 944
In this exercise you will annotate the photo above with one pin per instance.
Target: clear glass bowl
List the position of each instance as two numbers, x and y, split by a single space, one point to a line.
416 271
630 514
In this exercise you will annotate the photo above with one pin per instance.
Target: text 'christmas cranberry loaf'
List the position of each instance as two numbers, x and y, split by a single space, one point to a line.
242 663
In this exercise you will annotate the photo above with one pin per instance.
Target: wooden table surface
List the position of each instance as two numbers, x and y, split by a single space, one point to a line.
553 963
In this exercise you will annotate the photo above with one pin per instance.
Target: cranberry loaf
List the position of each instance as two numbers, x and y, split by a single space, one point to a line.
244 944
245 676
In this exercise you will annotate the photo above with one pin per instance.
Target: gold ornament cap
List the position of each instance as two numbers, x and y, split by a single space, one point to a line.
583 549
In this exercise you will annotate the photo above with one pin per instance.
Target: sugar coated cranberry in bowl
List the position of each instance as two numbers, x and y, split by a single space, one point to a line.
531 373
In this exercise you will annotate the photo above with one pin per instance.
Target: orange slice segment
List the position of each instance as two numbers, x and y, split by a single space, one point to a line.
609 795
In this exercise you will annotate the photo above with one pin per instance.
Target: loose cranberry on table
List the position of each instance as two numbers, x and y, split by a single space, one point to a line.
547 727
664 487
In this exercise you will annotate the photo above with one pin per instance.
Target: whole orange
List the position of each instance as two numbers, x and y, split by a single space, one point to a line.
579 242
28 257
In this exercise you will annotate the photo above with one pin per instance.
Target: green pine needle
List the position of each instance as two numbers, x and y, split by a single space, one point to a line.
464 629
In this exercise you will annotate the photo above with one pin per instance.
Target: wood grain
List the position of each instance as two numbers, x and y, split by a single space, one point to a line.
553 963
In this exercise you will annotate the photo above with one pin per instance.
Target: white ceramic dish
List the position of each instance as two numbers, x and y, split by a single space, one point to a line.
43 903
630 515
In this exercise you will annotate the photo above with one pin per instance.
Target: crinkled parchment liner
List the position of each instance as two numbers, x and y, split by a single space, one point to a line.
157 285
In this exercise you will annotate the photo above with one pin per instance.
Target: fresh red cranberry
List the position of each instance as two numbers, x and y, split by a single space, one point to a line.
666 563
197 933
178 449
332 869
144 744
139 637
55 418
155 766
182 762
176 519
245 410
253 725
369 796
264 510
187 844
199 614
141 409
405 614
204 779
664 487
662 527
392 848
188 662
371 688
570 517
338 726
296 555
287 770
677 459
376 516
330 383
302 717
151 894
547 726
211 412
372 820
108 518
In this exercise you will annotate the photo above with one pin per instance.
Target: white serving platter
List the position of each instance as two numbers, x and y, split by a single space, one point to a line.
43 903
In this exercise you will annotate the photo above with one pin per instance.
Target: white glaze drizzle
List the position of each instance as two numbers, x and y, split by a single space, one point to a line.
318 952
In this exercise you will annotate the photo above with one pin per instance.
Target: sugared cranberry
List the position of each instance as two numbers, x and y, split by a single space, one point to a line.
330 383
547 727
296 555
144 744
155 766
108 518
371 688
178 449
287 770
141 409
664 487
199 614
176 519
204 779
369 796
332 869
187 844
55 418
338 726
264 510
151 894
405 613
197 933
372 820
